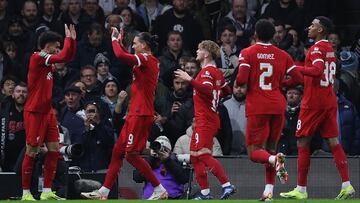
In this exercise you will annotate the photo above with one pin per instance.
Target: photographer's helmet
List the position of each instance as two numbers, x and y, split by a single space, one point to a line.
164 141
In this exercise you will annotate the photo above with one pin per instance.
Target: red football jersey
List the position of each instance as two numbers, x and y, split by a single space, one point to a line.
40 83
145 79
205 106
268 66
318 91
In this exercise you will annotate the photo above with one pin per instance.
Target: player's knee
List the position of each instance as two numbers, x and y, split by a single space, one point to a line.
129 156
52 146
204 157
31 150
332 142
303 142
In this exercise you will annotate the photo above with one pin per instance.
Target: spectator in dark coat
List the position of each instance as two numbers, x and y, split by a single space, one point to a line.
97 140
178 19
48 16
349 126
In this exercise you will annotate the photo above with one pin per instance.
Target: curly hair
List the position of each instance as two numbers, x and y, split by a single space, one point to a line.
211 47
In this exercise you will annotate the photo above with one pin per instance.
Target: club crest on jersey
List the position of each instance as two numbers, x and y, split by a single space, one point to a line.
206 75
316 51
241 57
145 56
49 76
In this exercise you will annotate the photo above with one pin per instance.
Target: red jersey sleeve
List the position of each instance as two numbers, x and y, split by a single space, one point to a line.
244 68
122 54
65 55
317 62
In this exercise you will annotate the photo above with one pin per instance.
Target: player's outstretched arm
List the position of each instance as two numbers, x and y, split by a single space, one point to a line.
119 51
296 78
316 70
69 49
205 87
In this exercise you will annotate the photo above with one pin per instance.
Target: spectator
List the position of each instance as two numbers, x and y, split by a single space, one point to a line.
10 61
63 77
12 128
349 77
281 38
4 16
167 106
349 125
102 64
244 23
93 86
97 140
93 89
169 58
287 142
107 6
130 27
149 10
192 67
71 114
110 93
91 45
48 16
335 41
182 146
121 4
178 19
296 50
7 87
81 86
285 11
25 40
236 109
29 15
167 168
94 11
228 60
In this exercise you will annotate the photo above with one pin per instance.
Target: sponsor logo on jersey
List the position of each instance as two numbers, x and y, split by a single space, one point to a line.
315 51
49 76
330 54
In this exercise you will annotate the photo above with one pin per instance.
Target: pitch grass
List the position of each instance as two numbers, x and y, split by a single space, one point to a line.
193 201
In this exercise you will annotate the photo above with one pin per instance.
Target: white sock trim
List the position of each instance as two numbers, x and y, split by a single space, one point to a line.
272 159
205 191
226 184
301 189
345 184
104 191
269 188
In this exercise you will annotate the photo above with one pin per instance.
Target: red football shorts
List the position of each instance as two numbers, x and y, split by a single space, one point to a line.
202 137
40 128
135 133
323 120
263 128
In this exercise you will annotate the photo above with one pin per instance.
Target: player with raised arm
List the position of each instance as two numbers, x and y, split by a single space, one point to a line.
208 86
318 110
135 132
39 117
262 67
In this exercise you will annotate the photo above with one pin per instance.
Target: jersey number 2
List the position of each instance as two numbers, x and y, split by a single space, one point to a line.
267 73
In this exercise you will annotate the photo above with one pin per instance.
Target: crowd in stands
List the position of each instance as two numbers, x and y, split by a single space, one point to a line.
95 84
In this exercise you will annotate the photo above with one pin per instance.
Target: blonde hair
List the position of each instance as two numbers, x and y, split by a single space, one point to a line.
211 47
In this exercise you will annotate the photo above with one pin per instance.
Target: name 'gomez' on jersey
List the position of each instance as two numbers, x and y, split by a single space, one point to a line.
318 91
206 105
145 78
268 66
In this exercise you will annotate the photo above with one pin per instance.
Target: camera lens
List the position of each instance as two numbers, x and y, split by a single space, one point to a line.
156 146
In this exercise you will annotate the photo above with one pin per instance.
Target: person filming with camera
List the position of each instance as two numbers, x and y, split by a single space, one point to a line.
166 167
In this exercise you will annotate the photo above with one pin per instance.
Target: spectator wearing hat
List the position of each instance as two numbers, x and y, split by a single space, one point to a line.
349 83
97 140
71 115
102 65
63 77
110 93
167 168
287 142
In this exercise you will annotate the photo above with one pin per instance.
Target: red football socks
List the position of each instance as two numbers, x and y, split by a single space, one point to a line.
215 167
50 163
27 169
303 165
114 167
341 162
200 172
